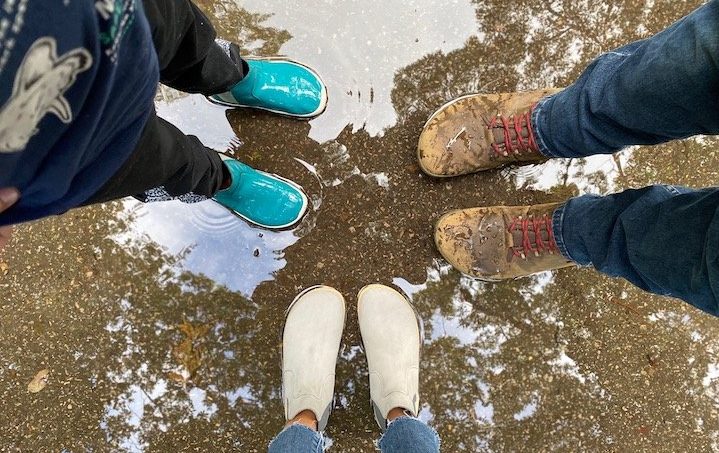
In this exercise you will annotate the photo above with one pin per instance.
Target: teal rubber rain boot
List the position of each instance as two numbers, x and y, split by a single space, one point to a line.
263 199
278 85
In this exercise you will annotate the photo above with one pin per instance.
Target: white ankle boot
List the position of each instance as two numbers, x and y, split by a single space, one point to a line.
310 344
391 337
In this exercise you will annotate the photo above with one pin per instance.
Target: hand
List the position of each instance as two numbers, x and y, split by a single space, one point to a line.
8 197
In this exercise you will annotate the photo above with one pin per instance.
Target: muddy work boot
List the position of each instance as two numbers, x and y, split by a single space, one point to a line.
480 132
500 242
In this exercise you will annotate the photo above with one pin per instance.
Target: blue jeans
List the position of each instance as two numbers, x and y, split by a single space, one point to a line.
403 435
663 239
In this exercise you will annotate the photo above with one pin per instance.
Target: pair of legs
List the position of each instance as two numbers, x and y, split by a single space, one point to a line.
664 239
310 345
168 164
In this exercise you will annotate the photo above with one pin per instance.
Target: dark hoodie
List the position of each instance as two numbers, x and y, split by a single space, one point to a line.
77 82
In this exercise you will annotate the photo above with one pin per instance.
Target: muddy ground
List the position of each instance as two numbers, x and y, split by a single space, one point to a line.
159 324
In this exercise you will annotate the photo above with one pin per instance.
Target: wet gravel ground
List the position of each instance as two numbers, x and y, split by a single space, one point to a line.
159 325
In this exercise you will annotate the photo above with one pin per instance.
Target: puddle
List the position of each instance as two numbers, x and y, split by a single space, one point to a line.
360 45
564 361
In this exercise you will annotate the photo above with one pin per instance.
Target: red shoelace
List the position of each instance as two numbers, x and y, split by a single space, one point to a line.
540 245
515 123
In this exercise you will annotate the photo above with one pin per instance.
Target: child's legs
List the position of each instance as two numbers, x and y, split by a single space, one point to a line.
190 59
166 164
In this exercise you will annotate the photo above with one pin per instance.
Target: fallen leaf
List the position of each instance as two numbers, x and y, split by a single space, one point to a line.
39 381
194 332
177 377
189 355
4 268
190 352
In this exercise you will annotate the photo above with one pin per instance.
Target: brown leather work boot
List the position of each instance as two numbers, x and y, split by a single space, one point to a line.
500 242
480 132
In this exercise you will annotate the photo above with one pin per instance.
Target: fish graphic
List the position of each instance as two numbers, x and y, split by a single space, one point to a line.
40 83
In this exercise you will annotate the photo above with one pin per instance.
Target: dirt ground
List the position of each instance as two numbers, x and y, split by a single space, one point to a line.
160 324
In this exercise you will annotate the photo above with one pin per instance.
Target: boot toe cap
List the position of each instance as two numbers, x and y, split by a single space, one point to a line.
453 238
473 241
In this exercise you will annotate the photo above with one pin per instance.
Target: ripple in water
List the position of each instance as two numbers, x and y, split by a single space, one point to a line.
359 55
210 217
212 241
523 173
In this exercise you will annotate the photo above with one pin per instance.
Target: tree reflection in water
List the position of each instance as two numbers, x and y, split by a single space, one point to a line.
569 360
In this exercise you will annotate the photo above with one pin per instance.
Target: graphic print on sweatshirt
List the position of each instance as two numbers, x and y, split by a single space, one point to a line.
43 77
117 16
40 83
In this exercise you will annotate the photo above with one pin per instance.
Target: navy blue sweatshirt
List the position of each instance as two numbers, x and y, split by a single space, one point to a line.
77 82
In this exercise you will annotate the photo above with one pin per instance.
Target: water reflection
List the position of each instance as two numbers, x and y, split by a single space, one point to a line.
211 241
594 174
359 47
567 361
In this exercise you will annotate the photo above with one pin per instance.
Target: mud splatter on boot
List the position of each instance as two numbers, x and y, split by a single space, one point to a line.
500 242
480 132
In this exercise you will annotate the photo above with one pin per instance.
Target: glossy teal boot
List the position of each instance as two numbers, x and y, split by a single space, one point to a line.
278 85
261 198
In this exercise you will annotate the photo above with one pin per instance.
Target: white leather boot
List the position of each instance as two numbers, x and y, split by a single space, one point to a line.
310 344
391 337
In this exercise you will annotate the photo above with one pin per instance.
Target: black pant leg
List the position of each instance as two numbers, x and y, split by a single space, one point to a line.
190 59
166 164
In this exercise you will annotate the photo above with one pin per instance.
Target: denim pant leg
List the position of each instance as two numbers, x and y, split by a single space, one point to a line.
661 238
664 239
651 91
409 435
297 439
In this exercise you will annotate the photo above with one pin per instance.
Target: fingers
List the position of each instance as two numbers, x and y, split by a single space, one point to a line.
8 197
5 235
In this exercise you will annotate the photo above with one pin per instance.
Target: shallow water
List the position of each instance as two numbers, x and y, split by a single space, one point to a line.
160 324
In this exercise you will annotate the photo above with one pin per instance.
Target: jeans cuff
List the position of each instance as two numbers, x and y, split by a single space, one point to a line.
540 109
318 438
557 224
409 419
406 416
